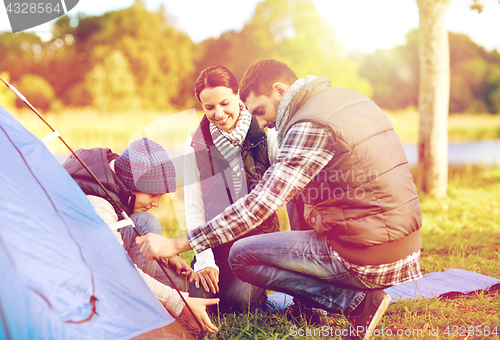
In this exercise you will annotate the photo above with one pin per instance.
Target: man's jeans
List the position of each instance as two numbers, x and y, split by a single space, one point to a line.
146 222
299 263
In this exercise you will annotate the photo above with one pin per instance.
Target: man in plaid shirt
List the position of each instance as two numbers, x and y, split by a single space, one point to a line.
358 212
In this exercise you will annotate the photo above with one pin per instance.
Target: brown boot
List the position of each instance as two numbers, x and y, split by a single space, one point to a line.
367 315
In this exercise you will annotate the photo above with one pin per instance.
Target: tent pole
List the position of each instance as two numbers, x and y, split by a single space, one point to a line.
123 213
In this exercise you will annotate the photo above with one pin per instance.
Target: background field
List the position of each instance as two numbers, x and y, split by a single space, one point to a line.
86 128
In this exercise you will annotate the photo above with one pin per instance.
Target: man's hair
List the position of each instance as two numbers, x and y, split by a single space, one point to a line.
262 74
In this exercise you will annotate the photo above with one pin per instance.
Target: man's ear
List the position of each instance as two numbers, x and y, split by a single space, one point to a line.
280 88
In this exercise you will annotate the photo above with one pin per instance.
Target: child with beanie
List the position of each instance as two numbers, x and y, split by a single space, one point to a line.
136 180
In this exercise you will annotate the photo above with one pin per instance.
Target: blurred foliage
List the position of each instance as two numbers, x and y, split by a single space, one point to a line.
112 85
394 74
159 55
7 97
475 80
291 31
136 58
37 90
20 53
494 85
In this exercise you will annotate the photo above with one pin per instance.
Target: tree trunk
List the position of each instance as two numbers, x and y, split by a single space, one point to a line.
434 97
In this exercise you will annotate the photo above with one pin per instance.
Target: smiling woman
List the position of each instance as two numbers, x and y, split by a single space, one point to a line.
221 106
225 158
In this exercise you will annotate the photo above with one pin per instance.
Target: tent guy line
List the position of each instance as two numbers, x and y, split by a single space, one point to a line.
123 213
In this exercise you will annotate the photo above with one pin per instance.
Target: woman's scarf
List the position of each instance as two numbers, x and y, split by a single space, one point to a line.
229 144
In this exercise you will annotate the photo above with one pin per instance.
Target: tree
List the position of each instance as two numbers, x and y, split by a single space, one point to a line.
112 85
20 53
468 75
393 74
434 97
158 54
293 32
468 86
7 97
494 96
37 90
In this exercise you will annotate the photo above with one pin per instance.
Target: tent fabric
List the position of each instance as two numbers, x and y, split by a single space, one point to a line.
64 274
449 283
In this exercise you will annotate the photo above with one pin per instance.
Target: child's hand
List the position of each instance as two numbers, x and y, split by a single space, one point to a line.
180 265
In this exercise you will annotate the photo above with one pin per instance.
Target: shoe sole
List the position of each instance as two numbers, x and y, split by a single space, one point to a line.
378 315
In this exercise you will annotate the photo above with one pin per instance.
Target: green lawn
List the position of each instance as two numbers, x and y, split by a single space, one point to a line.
461 231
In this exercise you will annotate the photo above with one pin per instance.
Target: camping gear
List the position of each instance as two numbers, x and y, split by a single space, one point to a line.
450 283
64 274
55 134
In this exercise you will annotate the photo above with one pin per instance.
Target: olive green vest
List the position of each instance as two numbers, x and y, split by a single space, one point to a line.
364 199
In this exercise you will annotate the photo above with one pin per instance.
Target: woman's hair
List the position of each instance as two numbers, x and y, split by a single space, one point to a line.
215 76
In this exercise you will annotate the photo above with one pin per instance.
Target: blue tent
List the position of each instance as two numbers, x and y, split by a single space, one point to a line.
63 274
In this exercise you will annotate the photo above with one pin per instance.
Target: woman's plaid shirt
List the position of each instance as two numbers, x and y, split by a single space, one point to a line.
306 150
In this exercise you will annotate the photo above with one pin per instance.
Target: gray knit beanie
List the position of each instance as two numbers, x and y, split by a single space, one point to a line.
145 167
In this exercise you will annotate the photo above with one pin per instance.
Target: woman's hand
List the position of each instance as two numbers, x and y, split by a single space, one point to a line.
209 278
198 306
155 246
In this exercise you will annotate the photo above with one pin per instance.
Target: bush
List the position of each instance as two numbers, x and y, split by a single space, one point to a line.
7 97
36 90
112 85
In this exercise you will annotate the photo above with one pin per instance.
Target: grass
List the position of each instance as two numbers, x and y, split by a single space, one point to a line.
461 127
88 128
460 231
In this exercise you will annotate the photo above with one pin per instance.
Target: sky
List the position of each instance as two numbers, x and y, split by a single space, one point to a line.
361 25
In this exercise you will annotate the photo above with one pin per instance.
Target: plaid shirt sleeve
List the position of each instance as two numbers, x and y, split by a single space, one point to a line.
306 149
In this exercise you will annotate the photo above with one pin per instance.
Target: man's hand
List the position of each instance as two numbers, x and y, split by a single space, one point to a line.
198 306
178 264
209 278
156 246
